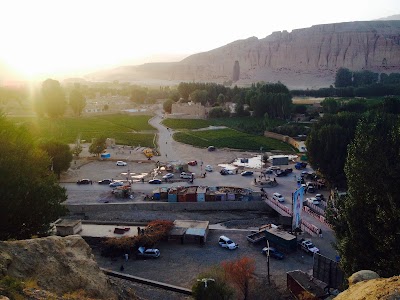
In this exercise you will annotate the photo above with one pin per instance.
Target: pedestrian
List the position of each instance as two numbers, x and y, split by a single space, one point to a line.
142 182
320 233
255 181
91 182
121 268
138 230
166 143
126 256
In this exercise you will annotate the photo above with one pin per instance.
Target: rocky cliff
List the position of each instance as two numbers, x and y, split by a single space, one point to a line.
304 57
59 265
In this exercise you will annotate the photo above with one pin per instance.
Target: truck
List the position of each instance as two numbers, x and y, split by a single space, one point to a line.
256 237
308 247
281 239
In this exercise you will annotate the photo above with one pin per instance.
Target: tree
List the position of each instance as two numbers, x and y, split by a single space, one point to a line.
240 272
167 105
98 146
174 96
367 221
330 105
60 155
54 101
30 196
343 78
218 112
327 145
77 101
139 95
217 286
199 96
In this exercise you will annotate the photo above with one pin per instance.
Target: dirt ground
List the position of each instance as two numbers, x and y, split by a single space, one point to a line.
180 264
139 163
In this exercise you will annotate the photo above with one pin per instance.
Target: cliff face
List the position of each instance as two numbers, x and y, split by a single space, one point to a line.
60 265
304 57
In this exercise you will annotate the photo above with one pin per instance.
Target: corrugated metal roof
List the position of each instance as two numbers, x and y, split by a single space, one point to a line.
196 231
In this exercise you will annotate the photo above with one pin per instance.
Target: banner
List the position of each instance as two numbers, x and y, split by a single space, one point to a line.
298 198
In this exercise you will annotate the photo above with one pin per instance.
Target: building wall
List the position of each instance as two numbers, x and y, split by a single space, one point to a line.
286 139
191 109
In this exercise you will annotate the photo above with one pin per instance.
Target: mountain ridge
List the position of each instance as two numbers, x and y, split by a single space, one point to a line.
302 58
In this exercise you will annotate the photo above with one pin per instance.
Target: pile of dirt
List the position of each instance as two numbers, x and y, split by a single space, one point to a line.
380 288
60 265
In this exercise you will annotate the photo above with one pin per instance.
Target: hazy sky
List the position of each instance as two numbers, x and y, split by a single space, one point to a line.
42 37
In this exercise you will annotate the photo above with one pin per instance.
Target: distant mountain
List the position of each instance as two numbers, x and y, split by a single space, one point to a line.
390 18
303 58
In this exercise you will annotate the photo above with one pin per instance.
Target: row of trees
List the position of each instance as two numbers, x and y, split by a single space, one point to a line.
359 151
30 196
329 138
366 220
52 100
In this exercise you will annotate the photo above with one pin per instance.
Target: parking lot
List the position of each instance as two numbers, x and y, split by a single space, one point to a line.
181 264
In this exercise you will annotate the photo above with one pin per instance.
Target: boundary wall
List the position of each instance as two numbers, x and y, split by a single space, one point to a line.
170 206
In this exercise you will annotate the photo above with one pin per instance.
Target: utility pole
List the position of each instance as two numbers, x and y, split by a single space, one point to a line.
269 279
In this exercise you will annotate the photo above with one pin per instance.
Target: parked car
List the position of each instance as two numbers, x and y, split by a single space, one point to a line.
313 200
308 247
192 163
208 168
105 181
300 165
147 253
226 242
281 173
168 176
121 163
320 197
226 172
185 175
310 189
247 173
211 148
155 181
278 197
84 181
116 183
273 253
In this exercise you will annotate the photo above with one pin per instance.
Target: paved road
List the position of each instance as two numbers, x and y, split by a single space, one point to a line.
164 139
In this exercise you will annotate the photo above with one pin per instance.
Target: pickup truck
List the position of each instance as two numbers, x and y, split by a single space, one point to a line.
309 247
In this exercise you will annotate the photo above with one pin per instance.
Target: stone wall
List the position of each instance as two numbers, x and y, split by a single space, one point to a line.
165 206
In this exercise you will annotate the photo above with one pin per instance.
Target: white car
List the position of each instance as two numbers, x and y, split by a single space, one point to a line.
208 168
185 175
278 197
226 242
168 176
313 200
309 247
121 163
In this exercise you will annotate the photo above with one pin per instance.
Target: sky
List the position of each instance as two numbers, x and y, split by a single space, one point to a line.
72 37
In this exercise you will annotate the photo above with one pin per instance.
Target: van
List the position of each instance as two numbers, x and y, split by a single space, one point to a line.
225 242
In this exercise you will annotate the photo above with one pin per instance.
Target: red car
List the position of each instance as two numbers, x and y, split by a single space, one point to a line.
192 163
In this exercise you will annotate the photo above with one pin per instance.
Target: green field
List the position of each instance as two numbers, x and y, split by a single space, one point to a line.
125 129
230 138
186 123
246 124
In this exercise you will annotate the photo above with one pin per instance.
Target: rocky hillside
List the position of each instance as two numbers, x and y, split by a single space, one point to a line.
306 57
59 265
